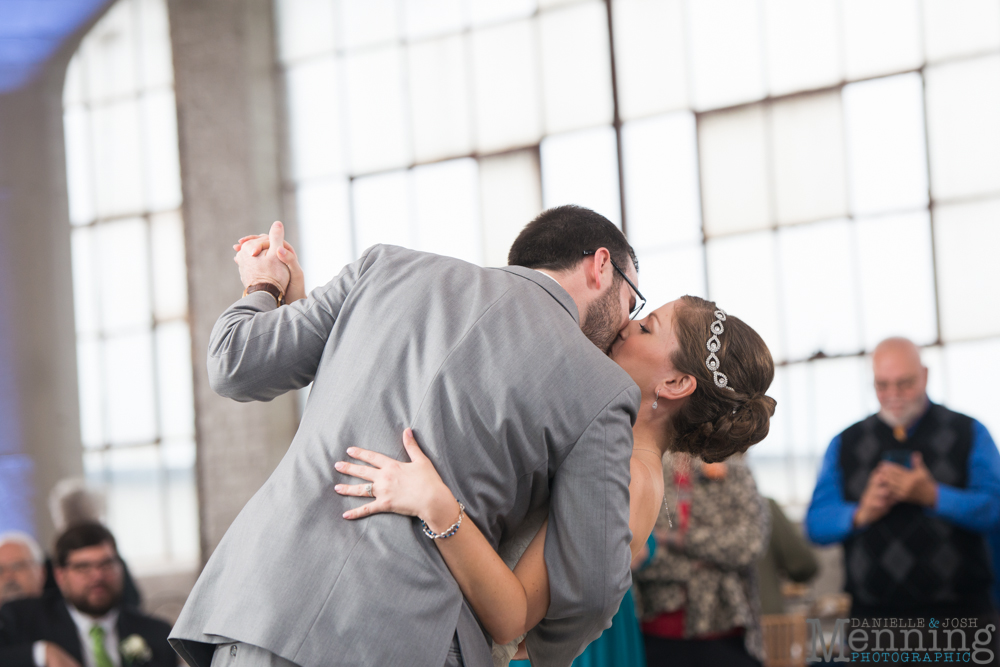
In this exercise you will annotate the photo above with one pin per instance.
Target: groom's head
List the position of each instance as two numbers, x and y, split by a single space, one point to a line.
582 249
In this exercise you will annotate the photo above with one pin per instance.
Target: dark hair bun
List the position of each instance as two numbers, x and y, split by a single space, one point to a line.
716 423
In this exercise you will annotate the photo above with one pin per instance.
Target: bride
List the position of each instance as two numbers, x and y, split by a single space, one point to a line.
703 377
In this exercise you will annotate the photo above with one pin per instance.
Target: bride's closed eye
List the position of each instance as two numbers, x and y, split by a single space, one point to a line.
643 328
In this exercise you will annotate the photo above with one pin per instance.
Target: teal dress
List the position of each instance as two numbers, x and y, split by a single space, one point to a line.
621 644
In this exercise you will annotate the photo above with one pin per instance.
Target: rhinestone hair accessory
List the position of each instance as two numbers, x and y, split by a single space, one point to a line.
714 345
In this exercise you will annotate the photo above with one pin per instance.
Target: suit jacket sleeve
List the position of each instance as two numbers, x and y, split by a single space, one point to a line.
587 544
258 351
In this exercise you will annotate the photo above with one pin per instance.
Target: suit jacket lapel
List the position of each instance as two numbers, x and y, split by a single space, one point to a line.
65 631
549 285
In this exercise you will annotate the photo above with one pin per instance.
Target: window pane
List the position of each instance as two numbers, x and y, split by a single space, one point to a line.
305 28
968 364
963 105
382 208
505 76
725 52
742 281
123 256
897 284
75 88
776 446
808 151
937 374
88 368
576 67
734 178
803 44
79 165
154 41
881 36
582 168
670 274
86 297
887 159
650 46
169 268
118 164
960 28
439 98
173 368
325 230
135 503
446 199
111 51
839 391
968 238
491 11
368 22
163 171
661 181
315 118
510 190
128 373
182 500
378 126
426 18
819 304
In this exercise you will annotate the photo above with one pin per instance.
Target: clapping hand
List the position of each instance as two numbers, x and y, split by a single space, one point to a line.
910 485
876 499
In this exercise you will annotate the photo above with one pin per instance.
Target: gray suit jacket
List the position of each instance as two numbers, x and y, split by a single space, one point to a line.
512 403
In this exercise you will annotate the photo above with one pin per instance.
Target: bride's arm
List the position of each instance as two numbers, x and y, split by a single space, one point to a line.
508 603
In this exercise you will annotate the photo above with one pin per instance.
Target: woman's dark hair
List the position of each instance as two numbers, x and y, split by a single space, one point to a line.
81 536
558 237
716 423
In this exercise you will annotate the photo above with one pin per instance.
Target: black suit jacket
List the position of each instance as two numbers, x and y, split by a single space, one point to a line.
23 622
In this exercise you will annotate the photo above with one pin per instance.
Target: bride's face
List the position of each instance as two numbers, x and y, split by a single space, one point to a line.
644 349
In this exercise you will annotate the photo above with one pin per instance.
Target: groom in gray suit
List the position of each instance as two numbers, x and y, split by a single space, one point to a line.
504 378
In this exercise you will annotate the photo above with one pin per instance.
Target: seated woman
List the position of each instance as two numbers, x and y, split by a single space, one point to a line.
708 406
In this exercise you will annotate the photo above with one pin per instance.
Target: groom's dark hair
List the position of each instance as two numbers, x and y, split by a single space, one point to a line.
558 237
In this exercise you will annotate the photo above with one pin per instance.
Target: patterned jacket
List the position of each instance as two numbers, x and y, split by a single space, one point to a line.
712 575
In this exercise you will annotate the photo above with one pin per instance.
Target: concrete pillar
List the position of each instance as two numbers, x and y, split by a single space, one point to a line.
227 109
39 405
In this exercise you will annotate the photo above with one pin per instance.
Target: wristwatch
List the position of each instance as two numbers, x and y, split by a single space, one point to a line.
273 290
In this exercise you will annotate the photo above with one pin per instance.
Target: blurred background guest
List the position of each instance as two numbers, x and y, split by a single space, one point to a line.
910 491
71 504
21 572
788 556
86 624
698 597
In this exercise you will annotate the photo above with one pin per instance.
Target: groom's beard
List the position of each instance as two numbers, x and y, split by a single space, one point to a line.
603 319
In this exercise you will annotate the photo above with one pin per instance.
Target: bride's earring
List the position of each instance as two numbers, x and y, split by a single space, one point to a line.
657 399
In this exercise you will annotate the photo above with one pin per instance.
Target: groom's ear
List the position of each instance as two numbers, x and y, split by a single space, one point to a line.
679 386
594 268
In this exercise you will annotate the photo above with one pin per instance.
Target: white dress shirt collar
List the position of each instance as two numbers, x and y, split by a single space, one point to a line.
85 622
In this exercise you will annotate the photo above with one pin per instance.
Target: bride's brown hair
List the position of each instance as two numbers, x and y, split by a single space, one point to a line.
716 423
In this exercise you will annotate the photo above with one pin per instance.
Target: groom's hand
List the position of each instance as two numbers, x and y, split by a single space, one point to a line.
259 243
265 267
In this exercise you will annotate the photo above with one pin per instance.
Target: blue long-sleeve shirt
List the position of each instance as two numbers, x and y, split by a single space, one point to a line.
977 507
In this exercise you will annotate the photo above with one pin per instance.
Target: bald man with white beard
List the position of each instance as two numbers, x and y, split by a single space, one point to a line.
910 492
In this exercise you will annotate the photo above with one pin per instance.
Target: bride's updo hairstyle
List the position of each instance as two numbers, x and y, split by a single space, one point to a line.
716 423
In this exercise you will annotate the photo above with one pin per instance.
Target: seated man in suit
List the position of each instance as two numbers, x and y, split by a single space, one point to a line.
21 571
86 626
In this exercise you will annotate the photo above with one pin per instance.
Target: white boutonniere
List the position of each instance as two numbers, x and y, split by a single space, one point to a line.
134 650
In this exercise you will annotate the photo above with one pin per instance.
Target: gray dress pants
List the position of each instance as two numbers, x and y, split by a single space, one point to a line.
238 654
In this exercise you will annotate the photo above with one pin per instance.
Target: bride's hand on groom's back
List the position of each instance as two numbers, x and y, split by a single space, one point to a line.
398 487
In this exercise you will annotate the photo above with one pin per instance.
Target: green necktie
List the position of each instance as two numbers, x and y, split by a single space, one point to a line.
101 657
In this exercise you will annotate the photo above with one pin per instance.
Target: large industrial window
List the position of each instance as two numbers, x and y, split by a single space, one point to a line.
130 285
828 170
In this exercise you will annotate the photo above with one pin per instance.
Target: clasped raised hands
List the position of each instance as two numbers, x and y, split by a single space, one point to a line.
269 258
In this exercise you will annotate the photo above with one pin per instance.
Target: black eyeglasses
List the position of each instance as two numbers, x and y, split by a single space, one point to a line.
640 300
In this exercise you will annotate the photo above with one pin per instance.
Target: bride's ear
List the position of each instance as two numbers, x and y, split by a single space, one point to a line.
677 387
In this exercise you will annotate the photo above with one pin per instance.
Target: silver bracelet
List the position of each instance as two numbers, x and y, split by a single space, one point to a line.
448 533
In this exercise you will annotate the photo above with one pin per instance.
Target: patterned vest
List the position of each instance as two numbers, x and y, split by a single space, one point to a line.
908 559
